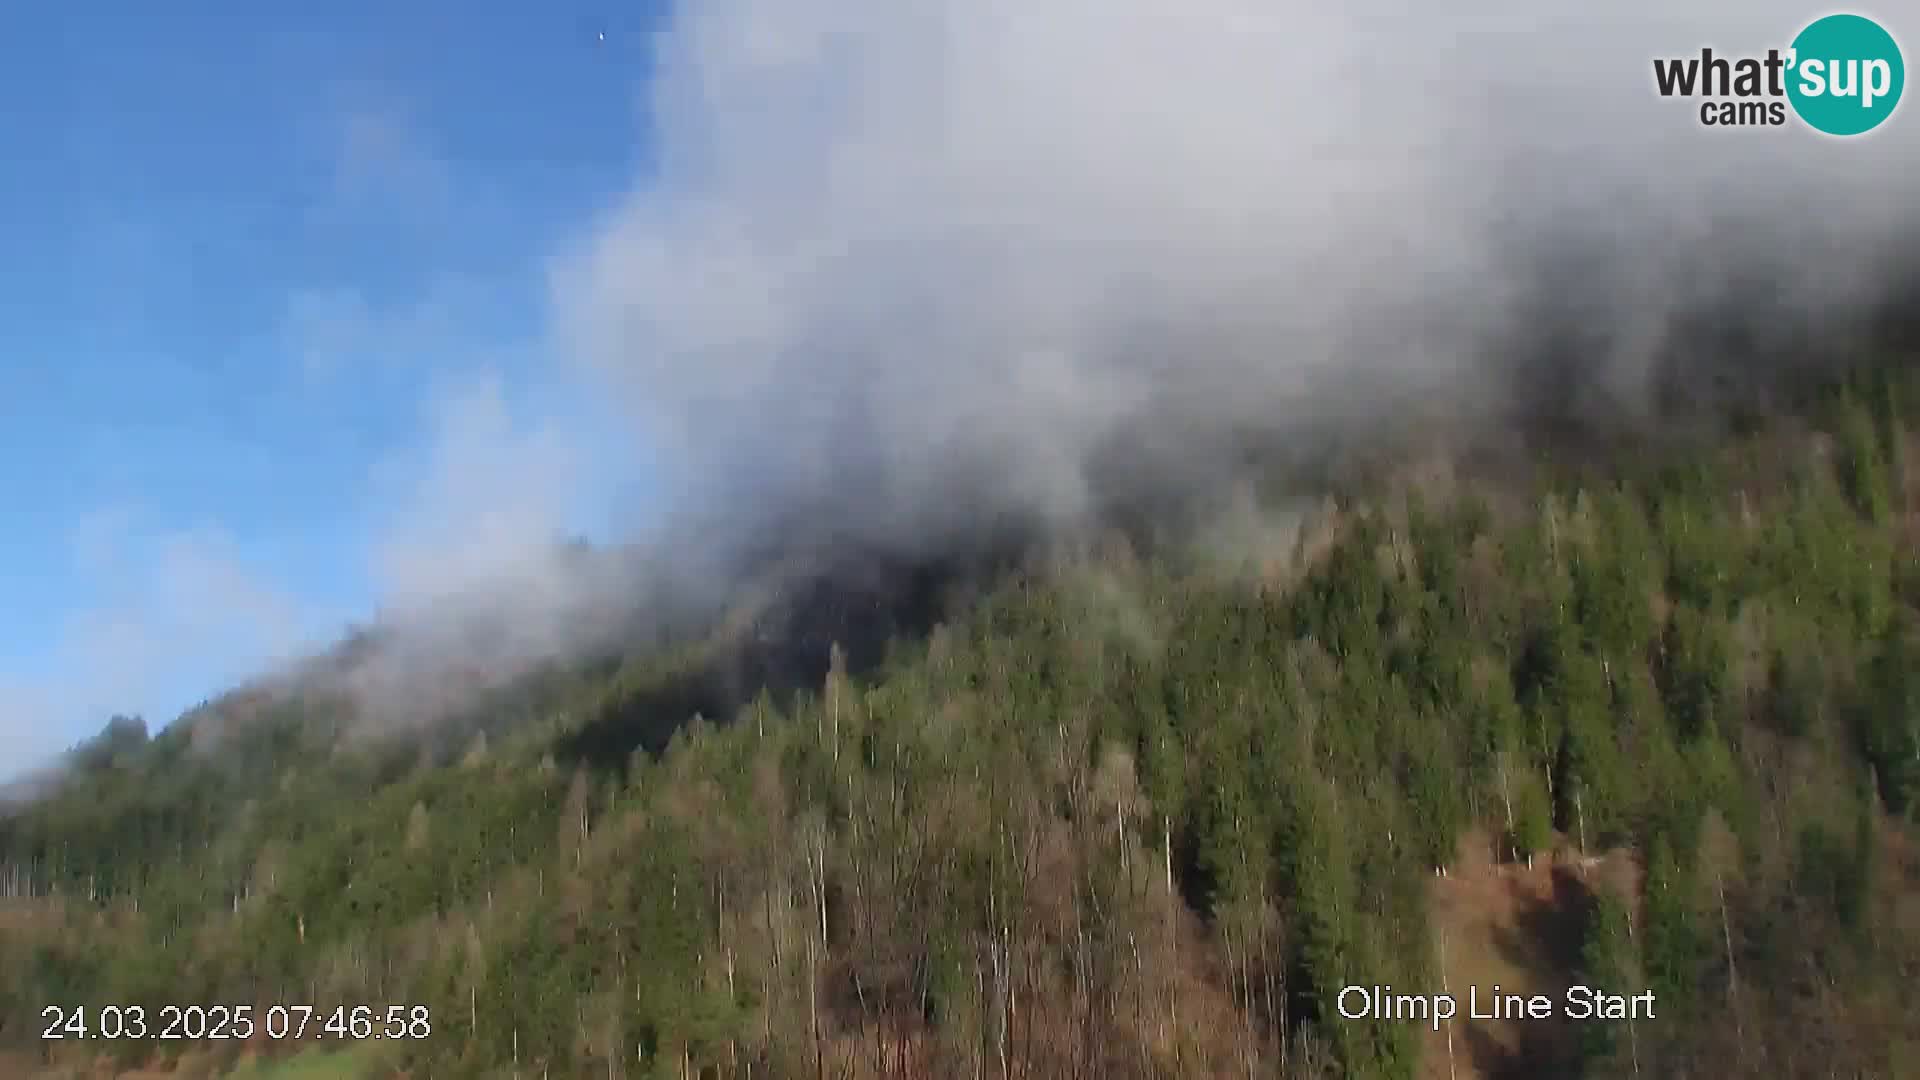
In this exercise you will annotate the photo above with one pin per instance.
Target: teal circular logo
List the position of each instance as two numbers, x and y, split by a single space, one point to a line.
1846 75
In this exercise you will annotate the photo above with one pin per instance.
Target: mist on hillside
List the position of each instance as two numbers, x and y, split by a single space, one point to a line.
909 278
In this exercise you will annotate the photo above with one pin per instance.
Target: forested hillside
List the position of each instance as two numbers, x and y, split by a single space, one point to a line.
1646 723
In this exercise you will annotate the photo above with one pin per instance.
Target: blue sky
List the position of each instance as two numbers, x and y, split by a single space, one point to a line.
251 260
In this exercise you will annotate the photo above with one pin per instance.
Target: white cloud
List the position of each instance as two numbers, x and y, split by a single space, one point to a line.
910 250
167 602
487 494
469 557
31 732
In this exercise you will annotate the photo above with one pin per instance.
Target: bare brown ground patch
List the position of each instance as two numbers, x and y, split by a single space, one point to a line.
1518 928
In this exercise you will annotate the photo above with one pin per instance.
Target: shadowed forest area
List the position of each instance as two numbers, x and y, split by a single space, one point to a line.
1647 719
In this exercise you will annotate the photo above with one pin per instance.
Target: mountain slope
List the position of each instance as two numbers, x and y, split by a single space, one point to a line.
1639 721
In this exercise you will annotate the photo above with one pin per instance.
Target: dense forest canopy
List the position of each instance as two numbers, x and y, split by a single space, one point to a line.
1136 806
